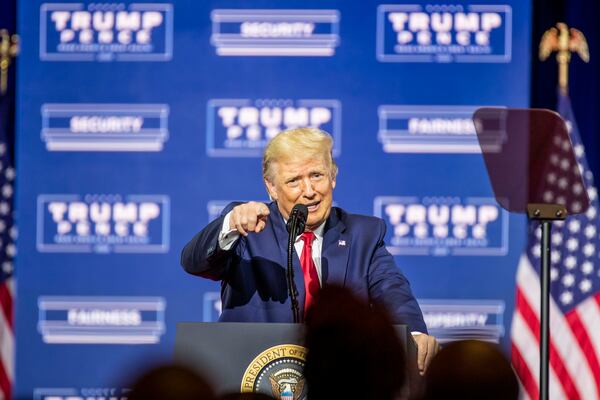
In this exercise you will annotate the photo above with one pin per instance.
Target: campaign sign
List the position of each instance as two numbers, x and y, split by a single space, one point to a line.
460 319
105 127
211 306
444 33
97 320
101 223
91 31
215 207
434 129
444 225
72 393
307 33
243 127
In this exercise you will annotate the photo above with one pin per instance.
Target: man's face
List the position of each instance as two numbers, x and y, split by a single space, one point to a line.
303 181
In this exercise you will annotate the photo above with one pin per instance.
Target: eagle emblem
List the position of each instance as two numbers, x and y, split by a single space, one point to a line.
563 38
287 384
563 41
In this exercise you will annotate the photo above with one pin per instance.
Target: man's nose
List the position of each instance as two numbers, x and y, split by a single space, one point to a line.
308 190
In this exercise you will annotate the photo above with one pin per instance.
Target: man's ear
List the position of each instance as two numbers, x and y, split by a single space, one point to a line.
271 189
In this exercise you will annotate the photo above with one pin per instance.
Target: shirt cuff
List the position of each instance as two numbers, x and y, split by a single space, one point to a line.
227 237
416 333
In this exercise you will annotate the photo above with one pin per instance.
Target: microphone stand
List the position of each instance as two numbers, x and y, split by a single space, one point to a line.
293 291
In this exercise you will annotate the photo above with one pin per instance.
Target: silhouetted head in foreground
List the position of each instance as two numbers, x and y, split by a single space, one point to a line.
246 396
353 350
171 382
471 369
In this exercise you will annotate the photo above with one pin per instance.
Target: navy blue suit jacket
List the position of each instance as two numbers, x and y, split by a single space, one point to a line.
253 271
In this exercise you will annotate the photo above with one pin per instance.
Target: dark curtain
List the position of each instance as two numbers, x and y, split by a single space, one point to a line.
584 85
8 21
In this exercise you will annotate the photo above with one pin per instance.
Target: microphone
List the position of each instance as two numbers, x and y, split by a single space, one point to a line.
298 217
295 226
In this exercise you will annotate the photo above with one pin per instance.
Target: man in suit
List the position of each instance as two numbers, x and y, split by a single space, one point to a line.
246 250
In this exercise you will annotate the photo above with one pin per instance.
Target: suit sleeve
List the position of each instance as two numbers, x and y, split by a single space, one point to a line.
388 286
202 255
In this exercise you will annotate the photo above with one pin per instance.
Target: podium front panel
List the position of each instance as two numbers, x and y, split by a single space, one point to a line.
245 356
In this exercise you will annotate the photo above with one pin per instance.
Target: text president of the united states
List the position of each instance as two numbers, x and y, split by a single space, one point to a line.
245 248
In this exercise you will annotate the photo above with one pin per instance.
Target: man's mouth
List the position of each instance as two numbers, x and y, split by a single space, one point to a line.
313 206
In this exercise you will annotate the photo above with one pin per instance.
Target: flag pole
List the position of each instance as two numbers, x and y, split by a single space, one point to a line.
564 41
9 48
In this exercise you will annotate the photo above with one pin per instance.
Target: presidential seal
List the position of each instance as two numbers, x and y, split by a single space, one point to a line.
278 372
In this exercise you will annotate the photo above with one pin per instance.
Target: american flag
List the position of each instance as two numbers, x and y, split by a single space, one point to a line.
7 247
575 296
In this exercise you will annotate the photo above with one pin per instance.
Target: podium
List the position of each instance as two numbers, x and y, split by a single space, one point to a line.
260 357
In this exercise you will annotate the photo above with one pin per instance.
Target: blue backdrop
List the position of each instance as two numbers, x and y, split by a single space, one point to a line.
138 122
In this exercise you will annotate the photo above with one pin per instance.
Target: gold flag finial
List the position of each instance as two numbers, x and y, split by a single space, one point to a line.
9 48
564 41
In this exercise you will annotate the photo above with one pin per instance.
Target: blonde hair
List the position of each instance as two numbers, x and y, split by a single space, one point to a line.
299 142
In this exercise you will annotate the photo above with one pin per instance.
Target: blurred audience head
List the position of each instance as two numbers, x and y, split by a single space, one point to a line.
353 350
173 382
471 369
246 396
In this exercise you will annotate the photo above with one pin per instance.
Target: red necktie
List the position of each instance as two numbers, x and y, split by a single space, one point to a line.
311 278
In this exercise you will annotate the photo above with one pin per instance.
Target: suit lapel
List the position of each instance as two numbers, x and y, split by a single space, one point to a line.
281 236
336 248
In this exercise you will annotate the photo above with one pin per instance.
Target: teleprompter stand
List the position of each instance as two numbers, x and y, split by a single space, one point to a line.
545 214
532 167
